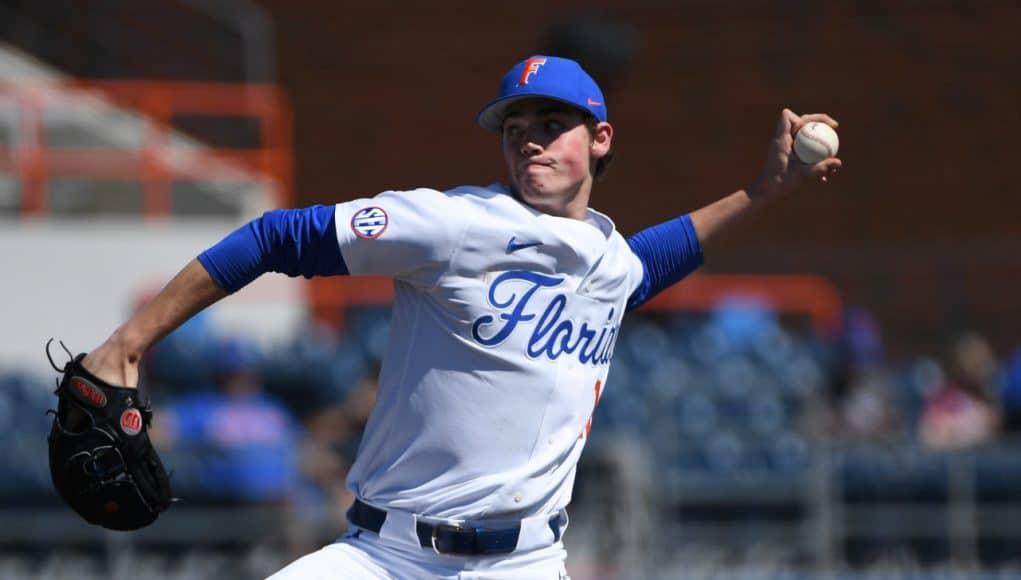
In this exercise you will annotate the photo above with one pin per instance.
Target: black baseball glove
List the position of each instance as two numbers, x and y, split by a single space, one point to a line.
101 459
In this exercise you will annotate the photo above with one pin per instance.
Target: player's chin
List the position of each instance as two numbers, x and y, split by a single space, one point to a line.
535 194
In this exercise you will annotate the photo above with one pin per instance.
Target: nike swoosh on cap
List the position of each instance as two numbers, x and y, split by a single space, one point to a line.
513 246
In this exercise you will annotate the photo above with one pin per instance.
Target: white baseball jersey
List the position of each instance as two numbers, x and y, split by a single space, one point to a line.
504 322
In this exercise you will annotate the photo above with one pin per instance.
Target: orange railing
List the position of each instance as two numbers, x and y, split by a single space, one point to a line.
807 295
157 163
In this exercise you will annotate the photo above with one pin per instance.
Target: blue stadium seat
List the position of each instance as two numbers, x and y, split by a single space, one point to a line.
708 345
669 379
767 414
680 329
688 461
622 375
646 342
697 415
802 375
774 347
788 453
737 375
624 411
725 453
666 441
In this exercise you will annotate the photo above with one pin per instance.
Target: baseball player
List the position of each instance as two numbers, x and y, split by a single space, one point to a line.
508 302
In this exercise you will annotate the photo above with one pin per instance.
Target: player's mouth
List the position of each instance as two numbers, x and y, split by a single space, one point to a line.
536 164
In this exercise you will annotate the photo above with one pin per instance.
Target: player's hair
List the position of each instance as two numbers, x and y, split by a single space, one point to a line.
603 163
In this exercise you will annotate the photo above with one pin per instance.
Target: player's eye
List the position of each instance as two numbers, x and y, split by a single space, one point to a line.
511 131
553 126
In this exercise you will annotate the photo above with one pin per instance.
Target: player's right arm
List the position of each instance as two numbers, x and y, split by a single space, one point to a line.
294 242
191 290
297 242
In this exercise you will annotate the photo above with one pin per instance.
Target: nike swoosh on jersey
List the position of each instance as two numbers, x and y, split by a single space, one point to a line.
513 246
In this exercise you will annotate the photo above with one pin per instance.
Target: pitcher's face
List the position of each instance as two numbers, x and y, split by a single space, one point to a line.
549 154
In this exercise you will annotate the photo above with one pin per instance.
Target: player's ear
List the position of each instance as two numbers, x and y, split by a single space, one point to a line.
602 140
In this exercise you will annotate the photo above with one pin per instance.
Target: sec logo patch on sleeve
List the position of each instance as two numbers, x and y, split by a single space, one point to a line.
370 223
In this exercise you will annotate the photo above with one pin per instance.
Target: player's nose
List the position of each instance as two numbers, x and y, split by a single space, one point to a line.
530 148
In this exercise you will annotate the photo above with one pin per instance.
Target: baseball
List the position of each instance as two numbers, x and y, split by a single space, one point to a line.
815 142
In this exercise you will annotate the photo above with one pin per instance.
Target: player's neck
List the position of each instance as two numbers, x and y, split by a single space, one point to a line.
571 206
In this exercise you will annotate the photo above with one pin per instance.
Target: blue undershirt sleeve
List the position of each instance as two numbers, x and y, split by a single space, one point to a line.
668 252
296 242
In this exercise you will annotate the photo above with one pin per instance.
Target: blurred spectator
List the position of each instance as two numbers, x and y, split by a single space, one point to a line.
963 410
860 404
313 372
340 426
866 411
334 432
243 441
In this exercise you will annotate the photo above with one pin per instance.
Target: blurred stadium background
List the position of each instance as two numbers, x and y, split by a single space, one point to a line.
837 394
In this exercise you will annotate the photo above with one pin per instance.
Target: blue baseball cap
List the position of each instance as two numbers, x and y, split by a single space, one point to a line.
549 77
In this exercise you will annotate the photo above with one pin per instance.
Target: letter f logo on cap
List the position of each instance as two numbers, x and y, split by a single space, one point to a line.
531 67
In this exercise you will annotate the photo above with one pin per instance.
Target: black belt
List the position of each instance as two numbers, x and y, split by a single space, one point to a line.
448 539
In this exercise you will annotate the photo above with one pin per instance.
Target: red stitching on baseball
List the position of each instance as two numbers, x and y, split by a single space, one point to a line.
816 139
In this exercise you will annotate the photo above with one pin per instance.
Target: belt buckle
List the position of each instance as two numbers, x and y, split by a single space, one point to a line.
436 532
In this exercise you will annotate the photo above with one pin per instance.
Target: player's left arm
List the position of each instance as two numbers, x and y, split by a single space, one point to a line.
673 249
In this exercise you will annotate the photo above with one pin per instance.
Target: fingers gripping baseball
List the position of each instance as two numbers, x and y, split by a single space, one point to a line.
816 136
784 171
825 169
